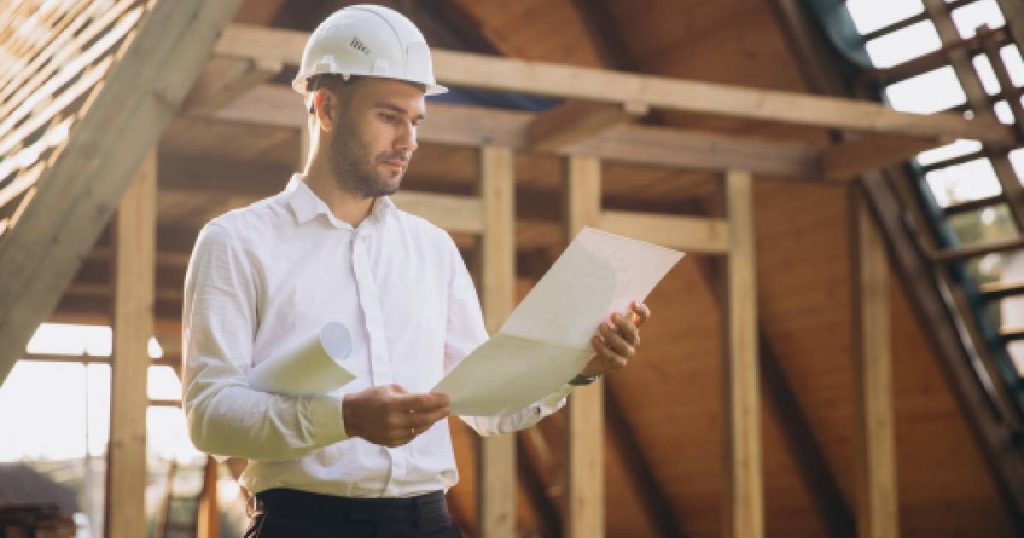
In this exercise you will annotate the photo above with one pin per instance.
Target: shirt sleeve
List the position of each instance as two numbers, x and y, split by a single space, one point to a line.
465 332
219 322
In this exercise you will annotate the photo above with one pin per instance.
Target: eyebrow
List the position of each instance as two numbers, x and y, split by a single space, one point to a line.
395 108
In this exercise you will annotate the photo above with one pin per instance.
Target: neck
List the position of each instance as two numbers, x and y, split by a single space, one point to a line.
345 205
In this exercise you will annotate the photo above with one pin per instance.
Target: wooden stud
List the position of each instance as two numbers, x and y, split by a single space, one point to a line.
585 512
744 517
877 512
208 522
135 244
497 462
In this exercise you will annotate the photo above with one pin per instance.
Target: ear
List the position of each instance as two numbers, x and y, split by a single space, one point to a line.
322 101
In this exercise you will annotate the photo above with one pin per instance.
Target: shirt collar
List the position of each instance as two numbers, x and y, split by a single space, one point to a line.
306 205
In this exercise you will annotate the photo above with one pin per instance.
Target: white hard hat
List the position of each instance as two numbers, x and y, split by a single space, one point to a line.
367 40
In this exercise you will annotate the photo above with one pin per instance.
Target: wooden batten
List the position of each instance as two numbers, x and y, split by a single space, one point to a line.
744 516
496 488
877 510
135 245
585 512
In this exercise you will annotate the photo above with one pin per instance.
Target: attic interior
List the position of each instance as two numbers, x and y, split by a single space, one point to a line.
835 356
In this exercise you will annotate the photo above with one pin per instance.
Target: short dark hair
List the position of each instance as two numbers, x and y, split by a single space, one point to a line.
339 85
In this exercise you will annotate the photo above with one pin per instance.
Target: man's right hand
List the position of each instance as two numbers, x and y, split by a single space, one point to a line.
390 416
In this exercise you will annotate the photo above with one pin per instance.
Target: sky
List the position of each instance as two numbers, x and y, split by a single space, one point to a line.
69 403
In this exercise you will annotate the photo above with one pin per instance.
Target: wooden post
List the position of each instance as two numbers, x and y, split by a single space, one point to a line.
208 522
877 512
135 242
744 517
497 454
585 513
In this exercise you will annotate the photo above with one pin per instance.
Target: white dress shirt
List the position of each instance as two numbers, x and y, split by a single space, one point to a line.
264 277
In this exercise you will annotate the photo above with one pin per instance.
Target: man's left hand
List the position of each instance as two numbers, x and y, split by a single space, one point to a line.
616 340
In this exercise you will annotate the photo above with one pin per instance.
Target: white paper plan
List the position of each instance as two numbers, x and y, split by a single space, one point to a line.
546 340
311 368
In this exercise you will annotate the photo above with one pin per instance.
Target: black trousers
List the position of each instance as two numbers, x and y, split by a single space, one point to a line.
287 513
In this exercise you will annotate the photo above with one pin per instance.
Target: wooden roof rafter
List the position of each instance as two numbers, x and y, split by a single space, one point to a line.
151 67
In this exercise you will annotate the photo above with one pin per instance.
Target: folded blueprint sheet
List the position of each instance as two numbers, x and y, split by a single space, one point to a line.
546 340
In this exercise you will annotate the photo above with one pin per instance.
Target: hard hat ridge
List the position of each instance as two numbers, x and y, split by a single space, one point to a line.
368 40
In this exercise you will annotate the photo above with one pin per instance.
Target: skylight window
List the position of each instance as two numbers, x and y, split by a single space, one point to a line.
968 181
973 15
867 16
926 93
904 44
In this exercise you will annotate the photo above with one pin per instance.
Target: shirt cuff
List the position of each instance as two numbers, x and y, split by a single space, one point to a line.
326 419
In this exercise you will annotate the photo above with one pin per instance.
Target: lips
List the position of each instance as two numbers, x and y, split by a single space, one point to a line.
399 165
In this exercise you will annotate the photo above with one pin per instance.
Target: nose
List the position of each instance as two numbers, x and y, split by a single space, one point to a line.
406 141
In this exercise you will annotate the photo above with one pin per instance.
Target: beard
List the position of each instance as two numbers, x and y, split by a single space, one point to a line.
354 169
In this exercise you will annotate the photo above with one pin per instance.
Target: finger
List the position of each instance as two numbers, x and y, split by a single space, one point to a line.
425 403
615 342
641 313
610 359
627 329
422 421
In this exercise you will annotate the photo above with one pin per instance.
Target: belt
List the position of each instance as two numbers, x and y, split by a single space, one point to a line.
321 507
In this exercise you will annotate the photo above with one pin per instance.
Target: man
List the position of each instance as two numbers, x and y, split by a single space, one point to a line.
375 455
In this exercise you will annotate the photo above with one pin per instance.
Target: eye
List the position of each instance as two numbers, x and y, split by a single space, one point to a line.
388 117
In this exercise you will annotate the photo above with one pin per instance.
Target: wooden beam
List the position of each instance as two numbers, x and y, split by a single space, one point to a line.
575 121
696 234
505 74
134 266
585 458
225 79
475 126
744 517
453 213
848 160
122 122
496 509
877 495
